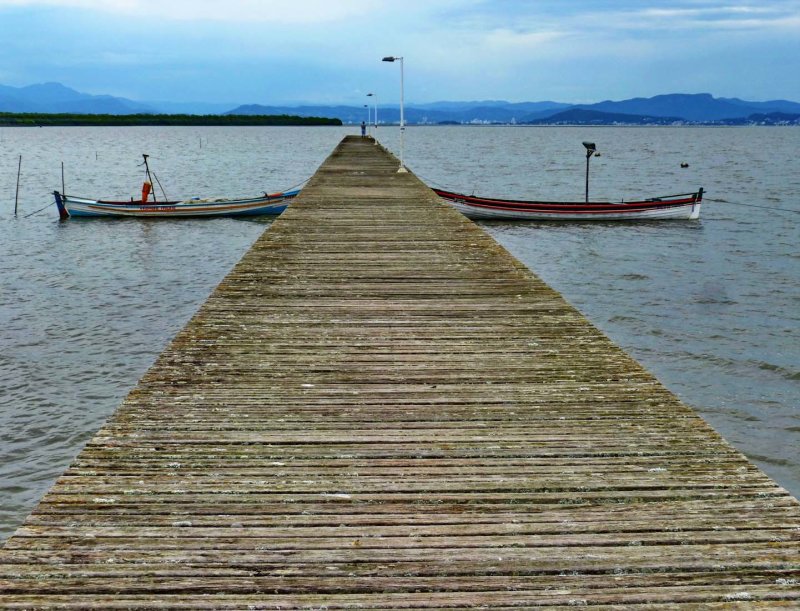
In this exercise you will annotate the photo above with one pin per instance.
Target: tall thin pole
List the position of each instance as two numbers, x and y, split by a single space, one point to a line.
16 197
63 188
376 119
149 178
588 156
591 149
375 115
402 122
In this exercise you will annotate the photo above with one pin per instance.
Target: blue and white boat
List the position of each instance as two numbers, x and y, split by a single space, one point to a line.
70 206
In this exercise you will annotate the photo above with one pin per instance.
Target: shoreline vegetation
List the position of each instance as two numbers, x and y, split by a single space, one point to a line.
27 119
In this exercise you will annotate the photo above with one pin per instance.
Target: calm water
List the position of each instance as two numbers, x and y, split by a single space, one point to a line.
711 307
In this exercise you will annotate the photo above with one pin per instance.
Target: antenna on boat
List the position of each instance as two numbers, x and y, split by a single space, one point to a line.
591 149
149 180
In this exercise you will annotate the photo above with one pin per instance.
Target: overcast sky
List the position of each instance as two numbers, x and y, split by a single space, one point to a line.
329 51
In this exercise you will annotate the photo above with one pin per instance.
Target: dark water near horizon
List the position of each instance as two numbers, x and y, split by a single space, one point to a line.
711 307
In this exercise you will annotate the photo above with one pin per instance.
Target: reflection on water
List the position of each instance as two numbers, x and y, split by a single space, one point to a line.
711 307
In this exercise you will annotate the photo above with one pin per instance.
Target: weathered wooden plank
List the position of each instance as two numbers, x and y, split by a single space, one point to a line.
380 408
777 555
176 583
500 600
735 519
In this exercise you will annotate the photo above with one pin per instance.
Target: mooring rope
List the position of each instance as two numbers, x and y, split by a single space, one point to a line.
302 182
39 210
428 182
756 206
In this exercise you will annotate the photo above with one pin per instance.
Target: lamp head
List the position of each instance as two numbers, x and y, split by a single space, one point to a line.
389 59
591 149
370 94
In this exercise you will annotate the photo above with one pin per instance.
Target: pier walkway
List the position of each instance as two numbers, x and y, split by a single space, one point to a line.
380 408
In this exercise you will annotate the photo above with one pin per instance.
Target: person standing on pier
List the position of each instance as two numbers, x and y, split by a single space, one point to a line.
363 129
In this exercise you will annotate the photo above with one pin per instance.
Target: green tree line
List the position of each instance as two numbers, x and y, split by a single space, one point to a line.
36 119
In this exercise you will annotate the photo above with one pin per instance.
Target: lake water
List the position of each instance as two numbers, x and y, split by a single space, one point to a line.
711 307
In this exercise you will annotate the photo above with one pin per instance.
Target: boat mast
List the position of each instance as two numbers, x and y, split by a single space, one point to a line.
591 149
149 177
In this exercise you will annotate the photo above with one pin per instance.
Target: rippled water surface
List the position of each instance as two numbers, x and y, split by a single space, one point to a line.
711 307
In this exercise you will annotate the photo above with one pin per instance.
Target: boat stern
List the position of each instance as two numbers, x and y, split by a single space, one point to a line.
695 212
62 209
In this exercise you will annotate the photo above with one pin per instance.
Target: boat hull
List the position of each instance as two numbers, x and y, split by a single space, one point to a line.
79 207
686 207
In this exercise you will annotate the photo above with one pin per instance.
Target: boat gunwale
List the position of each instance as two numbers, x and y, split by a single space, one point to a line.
267 197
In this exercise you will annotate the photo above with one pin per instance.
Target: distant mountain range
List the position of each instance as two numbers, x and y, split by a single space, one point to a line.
701 108
56 98
669 109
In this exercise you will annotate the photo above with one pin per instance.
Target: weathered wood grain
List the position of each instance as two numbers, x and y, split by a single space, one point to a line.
380 408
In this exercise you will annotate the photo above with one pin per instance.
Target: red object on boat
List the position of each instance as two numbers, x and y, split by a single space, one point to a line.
146 186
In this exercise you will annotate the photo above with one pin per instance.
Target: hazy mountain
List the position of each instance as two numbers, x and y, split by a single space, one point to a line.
583 116
513 106
10 100
56 98
691 107
766 107
538 106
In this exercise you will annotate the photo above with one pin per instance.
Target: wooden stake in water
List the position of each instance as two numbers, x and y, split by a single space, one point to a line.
63 189
16 197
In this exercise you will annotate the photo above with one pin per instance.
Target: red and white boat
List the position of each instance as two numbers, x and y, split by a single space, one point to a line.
683 206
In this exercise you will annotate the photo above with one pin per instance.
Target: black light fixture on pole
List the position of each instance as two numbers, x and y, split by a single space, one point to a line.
591 149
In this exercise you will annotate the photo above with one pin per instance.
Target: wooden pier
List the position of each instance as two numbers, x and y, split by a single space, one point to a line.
380 408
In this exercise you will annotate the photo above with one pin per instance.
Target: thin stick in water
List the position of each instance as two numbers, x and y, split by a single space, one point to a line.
16 197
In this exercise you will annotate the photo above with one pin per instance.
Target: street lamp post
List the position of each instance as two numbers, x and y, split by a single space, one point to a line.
375 114
591 149
402 167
